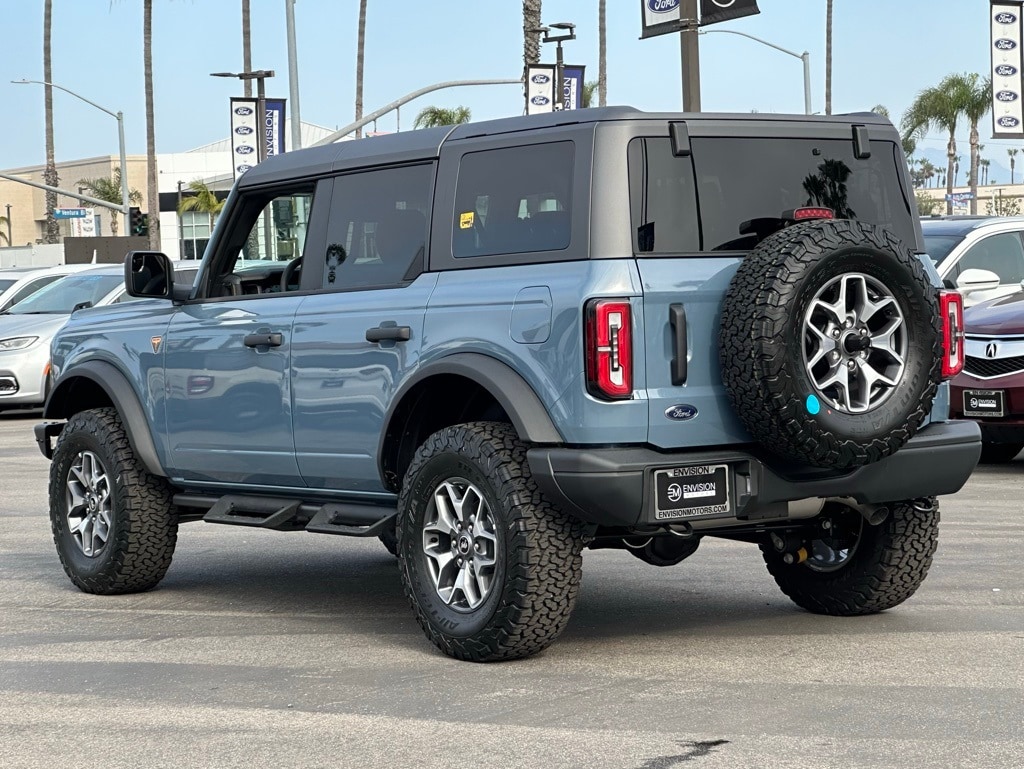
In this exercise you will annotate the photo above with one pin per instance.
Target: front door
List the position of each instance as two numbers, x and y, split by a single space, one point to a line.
228 352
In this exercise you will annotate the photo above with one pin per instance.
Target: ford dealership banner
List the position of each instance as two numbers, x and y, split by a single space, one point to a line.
540 88
248 129
1007 64
661 17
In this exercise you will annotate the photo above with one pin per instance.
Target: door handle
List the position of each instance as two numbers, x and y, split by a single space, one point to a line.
389 333
272 339
677 319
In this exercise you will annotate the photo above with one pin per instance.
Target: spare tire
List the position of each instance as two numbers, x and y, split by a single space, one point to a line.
830 343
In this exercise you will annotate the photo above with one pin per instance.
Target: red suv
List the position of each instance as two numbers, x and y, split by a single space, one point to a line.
991 388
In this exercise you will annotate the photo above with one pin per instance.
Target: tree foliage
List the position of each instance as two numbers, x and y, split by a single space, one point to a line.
202 200
109 189
431 117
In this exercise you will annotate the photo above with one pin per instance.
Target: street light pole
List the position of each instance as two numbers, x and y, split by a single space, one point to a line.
119 116
805 57
689 45
559 62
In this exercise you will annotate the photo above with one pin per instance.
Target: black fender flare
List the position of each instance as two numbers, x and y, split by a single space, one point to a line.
527 413
121 394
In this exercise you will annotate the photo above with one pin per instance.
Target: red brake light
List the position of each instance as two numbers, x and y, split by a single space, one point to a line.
609 349
951 306
812 212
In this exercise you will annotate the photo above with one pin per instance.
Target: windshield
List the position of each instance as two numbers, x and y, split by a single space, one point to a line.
6 284
67 293
939 246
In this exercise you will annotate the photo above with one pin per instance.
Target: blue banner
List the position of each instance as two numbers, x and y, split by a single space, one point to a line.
273 127
572 87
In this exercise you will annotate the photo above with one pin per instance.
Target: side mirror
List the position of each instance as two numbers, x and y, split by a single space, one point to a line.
972 279
148 275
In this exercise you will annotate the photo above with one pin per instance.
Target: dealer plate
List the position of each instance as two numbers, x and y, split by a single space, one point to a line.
691 492
984 403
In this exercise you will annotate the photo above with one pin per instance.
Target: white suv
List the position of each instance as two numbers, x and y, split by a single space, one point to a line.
982 256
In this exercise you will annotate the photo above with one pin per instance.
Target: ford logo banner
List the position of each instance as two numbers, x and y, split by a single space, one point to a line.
1005 44
242 168
243 130
662 6
540 100
1006 70
540 79
245 149
1006 18
243 110
1008 121
1007 96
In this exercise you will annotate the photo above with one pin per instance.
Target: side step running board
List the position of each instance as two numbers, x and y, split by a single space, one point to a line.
281 514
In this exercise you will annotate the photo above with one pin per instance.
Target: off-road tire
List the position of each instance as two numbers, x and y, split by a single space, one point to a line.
761 338
539 562
144 525
999 453
889 564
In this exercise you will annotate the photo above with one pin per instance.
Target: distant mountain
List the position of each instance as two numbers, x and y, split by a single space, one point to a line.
998 171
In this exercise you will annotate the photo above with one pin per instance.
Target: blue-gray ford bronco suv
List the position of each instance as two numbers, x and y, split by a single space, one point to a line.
498 344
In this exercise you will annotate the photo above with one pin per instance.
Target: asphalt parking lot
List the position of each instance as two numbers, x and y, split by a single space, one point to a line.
263 649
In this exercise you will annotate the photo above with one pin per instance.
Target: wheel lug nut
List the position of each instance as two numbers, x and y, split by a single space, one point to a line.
851 365
835 333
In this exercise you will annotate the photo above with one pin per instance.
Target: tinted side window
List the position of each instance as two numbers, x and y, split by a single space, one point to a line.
662 199
378 227
514 200
28 289
1002 254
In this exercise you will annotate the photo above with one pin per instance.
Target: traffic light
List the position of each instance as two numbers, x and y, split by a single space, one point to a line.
138 222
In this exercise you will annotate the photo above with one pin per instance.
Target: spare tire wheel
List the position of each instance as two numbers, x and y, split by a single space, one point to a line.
830 343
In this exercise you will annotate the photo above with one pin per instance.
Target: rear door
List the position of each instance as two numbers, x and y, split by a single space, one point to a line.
688 213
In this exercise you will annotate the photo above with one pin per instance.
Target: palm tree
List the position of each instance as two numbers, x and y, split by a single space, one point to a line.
531 21
152 188
246 47
360 46
828 57
602 58
52 234
985 163
976 100
202 201
1013 162
587 96
936 107
431 117
110 191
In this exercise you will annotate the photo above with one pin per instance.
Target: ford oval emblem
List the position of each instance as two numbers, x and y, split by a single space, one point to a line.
244 130
1007 96
1005 44
1006 70
681 413
243 110
540 79
540 100
242 168
1006 18
1008 121
245 149
662 6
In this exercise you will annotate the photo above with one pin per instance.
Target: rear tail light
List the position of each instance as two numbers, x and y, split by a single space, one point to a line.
951 306
609 349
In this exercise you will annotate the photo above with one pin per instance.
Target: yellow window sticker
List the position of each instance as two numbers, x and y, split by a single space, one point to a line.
466 220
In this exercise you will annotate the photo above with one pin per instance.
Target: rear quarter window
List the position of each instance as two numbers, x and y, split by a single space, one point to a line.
514 200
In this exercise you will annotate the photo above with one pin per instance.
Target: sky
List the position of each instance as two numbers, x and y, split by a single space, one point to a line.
884 52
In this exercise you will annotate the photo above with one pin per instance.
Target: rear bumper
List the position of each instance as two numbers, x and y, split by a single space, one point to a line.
614 486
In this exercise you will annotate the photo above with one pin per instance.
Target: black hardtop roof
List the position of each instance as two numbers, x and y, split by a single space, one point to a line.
426 143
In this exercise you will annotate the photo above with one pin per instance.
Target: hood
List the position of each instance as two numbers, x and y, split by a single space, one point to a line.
31 325
997 317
